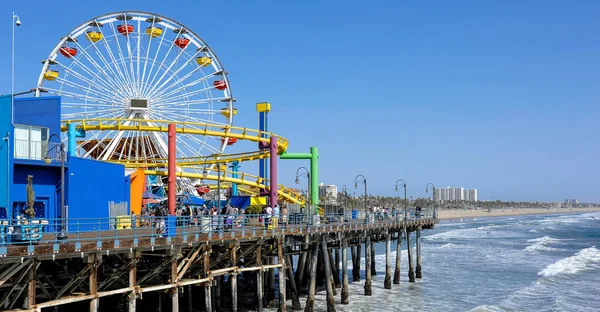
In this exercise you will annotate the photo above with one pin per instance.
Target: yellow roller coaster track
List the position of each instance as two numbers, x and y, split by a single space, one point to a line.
196 128
284 193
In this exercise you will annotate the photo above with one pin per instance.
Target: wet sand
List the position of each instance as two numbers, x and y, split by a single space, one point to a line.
473 213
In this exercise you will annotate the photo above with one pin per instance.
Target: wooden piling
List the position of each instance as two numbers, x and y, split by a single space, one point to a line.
174 290
32 277
387 283
334 271
270 295
301 264
281 273
327 265
132 302
373 268
368 290
93 281
337 264
356 264
259 281
310 300
207 286
292 283
345 270
233 278
411 272
398 254
418 241
190 305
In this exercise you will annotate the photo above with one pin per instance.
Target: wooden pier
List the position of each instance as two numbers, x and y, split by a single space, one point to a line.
194 271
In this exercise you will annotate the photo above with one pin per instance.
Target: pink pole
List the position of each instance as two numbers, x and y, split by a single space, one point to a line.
171 169
273 172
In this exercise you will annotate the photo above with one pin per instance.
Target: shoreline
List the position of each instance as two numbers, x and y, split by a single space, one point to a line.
472 213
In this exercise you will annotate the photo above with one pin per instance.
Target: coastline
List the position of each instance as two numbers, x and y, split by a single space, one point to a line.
473 213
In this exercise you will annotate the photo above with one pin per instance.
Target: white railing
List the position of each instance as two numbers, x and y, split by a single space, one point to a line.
36 150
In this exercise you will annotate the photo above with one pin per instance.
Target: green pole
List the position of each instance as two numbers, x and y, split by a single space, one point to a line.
314 178
314 173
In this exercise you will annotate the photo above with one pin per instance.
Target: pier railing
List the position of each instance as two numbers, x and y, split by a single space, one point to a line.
151 230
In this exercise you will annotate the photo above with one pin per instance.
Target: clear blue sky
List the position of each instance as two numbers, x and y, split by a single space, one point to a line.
502 96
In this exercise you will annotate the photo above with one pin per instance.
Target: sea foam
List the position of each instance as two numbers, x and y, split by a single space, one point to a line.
585 259
541 244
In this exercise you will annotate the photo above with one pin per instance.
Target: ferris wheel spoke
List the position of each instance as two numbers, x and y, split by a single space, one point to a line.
88 89
121 56
181 87
162 104
99 141
77 105
174 74
114 82
109 84
125 142
126 86
179 97
188 117
116 140
148 85
210 148
153 86
145 78
84 79
75 95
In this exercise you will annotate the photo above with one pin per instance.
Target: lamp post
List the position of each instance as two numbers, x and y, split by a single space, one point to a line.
405 199
48 160
363 180
345 192
432 195
307 175
12 93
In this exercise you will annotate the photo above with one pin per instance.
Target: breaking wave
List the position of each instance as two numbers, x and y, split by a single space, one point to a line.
585 259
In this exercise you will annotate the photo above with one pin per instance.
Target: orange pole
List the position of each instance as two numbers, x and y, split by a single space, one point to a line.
171 170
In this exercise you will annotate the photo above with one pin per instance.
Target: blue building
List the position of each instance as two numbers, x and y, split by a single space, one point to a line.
31 147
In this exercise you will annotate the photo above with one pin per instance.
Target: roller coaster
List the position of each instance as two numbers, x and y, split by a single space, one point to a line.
125 76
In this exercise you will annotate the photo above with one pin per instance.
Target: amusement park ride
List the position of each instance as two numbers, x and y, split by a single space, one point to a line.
124 77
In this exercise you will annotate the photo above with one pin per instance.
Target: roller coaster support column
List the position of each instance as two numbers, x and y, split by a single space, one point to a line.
273 169
235 167
72 142
314 172
263 112
171 180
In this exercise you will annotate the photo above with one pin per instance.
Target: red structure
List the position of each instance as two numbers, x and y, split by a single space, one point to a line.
171 169
68 52
181 42
220 85
230 141
125 29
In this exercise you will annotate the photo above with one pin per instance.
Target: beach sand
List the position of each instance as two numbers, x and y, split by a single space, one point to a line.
472 213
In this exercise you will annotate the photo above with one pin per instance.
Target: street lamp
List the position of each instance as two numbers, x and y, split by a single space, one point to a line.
345 192
12 93
47 161
432 195
405 199
307 175
363 180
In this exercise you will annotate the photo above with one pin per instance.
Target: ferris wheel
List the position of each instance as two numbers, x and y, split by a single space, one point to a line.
139 68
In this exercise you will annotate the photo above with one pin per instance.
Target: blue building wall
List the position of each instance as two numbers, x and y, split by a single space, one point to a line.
5 153
46 188
91 186
40 111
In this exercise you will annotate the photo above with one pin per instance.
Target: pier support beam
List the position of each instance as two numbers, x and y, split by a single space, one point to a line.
373 269
398 254
32 277
281 273
345 270
292 285
207 286
93 263
133 281
387 283
270 295
173 279
335 271
411 272
368 290
233 278
332 278
310 300
418 241
327 265
259 280
301 264
356 263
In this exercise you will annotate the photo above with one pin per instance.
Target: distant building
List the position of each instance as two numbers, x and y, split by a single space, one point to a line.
328 193
571 202
455 193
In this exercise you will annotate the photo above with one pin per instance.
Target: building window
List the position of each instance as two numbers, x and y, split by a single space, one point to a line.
31 142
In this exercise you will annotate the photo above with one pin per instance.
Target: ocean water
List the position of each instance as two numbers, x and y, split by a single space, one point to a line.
527 263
